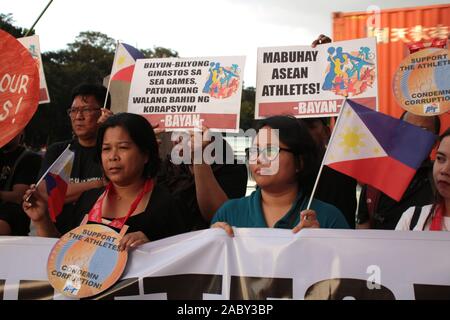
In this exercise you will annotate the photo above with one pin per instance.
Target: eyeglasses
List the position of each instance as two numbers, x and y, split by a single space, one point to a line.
86 111
269 153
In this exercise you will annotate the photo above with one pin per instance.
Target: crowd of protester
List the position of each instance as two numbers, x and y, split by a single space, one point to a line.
118 178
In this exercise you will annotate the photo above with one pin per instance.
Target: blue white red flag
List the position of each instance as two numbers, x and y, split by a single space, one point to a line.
57 179
124 61
377 149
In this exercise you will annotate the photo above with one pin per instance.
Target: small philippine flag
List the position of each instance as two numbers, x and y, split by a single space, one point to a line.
57 179
124 61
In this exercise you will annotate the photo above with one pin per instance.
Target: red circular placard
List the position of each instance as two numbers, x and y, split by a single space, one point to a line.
19 87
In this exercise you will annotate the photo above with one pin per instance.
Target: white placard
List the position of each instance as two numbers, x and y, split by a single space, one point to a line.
306 82
184 93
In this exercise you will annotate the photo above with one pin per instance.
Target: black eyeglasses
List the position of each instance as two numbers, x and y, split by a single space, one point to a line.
269 153
86 111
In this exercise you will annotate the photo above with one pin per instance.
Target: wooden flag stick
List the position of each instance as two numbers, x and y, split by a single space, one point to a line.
110 76
325 156
34 24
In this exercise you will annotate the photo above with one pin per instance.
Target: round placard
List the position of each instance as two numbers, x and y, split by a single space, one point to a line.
422 82
19 87
86 261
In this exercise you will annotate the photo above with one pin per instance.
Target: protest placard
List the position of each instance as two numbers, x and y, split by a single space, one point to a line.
189 92
313 82
421 84
32 44
86 261
19 87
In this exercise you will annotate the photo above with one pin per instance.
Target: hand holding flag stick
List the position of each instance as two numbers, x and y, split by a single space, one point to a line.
34 204
106 113
308 219
57 178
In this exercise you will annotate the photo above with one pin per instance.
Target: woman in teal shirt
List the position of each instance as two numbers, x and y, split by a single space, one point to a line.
283 161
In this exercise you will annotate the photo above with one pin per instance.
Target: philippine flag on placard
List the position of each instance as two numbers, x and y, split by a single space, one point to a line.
57 179
124 61
377 149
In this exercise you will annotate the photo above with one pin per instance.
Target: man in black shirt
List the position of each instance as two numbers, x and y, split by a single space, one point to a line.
18 169
86 114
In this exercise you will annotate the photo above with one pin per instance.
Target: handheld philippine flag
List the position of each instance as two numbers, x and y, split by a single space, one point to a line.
377 149
124 61
57 179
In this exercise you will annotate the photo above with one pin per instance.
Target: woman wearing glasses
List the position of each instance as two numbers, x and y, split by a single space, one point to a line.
283 161
127 148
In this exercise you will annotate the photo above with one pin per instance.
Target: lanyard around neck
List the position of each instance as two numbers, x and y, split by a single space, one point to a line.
95 215
436 222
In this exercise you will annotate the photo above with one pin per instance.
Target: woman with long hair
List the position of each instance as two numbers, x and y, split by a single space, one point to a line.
436 216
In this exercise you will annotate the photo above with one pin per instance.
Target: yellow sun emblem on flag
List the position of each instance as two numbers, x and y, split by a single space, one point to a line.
121 60
352 140
68 168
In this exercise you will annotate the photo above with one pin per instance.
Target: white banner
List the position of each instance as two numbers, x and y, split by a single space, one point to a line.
256 264
32 44
307 82
184 93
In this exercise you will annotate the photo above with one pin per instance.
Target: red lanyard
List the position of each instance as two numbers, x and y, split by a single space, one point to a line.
95 215
436 222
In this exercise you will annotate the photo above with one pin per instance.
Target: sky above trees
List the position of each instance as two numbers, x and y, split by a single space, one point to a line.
192 28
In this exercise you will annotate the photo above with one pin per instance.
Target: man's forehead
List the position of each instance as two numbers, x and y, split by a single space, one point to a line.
85 100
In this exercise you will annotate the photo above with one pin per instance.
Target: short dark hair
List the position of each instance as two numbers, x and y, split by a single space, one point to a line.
310 121
142 134
294 133
437 122
96 90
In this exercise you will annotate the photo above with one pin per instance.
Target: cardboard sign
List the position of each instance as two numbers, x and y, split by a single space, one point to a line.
422 82
188 93
306 82
19 87
86 261
32 44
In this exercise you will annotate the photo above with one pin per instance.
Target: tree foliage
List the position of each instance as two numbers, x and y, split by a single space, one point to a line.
7 24
88 59
159 52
